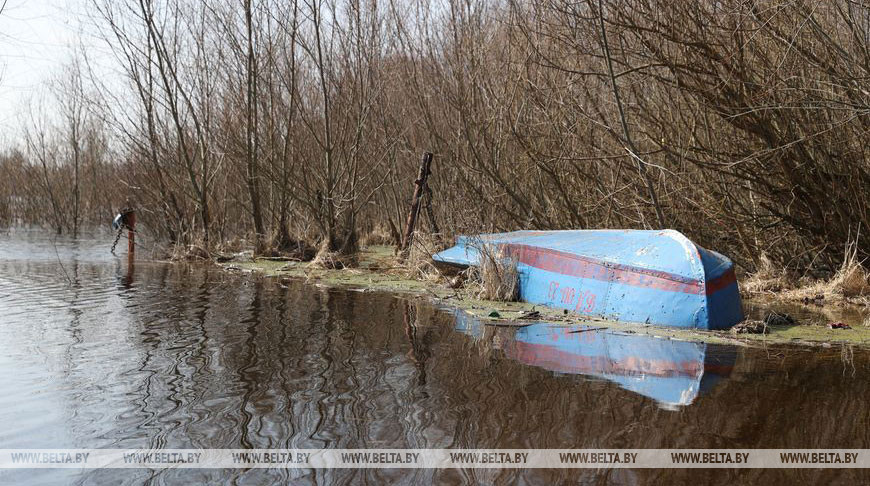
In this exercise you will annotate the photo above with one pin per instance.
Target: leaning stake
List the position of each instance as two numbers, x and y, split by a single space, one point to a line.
419 189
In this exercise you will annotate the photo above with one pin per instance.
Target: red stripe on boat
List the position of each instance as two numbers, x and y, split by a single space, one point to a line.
721 281
584 267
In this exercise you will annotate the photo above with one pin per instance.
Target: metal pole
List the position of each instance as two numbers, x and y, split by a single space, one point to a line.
131 233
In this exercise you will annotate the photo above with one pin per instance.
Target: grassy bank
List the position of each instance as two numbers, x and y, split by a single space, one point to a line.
378 270
850 284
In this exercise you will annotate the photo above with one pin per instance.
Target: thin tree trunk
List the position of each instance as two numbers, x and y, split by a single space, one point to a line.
251 144
631 149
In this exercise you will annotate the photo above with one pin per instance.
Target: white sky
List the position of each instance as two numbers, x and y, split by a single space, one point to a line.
37 37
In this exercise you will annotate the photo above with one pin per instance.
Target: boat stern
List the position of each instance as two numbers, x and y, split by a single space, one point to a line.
724 307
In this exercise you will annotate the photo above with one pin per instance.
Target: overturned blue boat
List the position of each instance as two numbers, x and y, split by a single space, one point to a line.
651 277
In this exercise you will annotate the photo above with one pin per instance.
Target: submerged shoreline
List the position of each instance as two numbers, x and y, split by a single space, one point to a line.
379 271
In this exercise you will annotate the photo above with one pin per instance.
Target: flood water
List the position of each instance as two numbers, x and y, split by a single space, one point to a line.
94 354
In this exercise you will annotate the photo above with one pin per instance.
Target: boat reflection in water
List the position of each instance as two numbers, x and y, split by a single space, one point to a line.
673 373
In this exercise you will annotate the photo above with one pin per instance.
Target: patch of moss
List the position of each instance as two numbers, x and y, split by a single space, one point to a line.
818 334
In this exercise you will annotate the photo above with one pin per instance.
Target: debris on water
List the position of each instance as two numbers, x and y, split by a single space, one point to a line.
513 324
244 255
279 258
577 331
779 319
494 314
818 299
531 314
195 252
838 325
750 326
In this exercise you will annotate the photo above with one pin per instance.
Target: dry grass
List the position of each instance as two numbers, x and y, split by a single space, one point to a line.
193 252
851 283
497 277
380 235
419 264
232 245
767 279
295 249
852 279
332 259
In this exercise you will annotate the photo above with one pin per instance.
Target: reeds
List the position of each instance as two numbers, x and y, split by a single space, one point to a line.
496 276
852 279
767 278
419 263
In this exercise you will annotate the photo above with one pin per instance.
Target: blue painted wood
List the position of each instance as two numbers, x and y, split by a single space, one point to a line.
652 277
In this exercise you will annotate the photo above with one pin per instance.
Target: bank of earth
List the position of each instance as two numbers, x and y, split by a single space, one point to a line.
379 271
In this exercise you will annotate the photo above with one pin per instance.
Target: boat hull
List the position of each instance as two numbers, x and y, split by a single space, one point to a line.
652 277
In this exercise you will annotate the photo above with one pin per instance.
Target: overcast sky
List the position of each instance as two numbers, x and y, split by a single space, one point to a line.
37 37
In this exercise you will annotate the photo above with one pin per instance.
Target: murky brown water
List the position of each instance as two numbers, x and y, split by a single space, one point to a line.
93 355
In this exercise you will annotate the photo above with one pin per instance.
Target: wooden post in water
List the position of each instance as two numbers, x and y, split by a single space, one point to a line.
419 190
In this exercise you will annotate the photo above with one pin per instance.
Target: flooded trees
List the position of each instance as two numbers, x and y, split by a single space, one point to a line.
240 29
162 47
283 92
62 161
